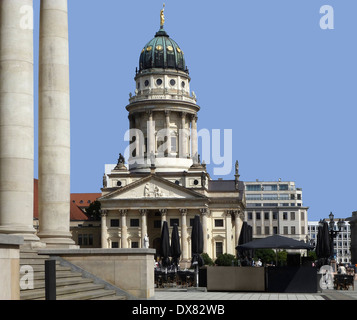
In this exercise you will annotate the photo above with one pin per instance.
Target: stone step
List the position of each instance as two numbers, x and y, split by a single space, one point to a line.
40 284
65 290
40 275
31 261
40 268
26 255
70 285
89 295
113 297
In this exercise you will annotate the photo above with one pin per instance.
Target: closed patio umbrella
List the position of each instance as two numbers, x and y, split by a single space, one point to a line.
245 237
175 246
197 245
165 251
323 249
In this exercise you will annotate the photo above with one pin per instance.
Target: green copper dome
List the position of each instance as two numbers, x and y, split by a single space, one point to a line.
162 52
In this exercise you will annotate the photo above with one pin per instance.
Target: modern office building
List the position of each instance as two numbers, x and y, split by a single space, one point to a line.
275 207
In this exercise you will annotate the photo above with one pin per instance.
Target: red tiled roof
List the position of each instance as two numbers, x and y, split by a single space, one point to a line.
75 212
84 199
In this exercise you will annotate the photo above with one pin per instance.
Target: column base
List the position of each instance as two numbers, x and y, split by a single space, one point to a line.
58 240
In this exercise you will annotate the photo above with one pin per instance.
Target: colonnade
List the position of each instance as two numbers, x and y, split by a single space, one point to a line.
184 135
183 227
17 122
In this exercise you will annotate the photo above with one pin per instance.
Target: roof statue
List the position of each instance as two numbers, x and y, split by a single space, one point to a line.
162 17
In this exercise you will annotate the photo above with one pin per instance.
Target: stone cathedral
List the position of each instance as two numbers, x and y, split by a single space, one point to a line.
165 179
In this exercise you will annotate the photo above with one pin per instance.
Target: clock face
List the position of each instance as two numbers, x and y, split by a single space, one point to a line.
170 48
159 48
148 49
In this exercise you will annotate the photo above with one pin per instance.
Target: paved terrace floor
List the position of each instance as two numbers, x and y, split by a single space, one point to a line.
192 294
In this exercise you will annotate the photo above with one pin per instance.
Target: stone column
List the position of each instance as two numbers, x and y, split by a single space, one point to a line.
182 137
163 215
54 125
229 232
184 242
238 222
150 135
194 141
16 119
204 214
104 230
144 226
138 143
168 132
124 228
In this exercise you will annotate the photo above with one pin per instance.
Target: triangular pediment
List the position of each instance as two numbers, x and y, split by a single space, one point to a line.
152 188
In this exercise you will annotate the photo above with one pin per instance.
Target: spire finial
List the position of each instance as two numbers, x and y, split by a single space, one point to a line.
162 17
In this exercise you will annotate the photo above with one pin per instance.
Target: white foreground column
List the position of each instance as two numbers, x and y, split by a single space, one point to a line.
54 125
16 119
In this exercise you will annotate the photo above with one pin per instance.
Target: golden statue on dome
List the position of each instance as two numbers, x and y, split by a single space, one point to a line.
162 16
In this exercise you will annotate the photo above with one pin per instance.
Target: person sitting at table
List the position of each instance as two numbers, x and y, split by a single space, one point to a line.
341 269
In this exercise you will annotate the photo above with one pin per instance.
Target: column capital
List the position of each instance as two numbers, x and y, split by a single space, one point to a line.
204 211
123 212
194 117
143 212
183 211
163 212
149 112
183 114
167 113
103 213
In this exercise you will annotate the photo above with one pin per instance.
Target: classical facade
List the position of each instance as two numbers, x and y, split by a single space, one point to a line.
164 179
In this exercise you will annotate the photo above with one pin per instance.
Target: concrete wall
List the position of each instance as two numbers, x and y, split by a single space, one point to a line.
10 267
131 270
235 279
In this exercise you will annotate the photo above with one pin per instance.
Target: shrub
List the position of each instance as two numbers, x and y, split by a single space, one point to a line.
226 259
207 260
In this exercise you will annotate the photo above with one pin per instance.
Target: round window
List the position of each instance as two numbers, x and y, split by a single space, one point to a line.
119 183
195 182
172 82
177 182
146 83
183 84
159 82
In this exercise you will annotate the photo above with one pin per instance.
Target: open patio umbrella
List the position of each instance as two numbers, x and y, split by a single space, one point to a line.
165 250
276 242
197 245
175 246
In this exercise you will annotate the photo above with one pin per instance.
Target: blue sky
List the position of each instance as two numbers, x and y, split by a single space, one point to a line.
264 69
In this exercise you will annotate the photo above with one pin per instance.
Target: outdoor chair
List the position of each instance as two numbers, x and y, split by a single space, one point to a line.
343 281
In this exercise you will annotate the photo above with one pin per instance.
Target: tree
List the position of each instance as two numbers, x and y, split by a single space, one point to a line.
93 211
267 256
